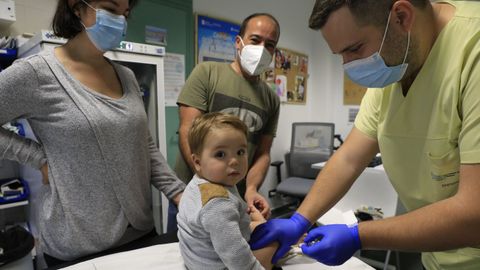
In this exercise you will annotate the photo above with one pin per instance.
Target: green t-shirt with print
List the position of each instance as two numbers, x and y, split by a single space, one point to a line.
216 87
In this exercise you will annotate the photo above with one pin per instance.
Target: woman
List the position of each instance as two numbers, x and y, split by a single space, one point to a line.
95 152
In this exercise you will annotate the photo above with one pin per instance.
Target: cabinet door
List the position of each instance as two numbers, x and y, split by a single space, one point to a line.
176 16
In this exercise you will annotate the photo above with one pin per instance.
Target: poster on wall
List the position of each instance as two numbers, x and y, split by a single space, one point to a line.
290 74
352 92
215 39
155 35
174 72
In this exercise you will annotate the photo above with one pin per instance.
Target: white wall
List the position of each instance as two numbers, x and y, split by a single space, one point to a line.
325 83
32 15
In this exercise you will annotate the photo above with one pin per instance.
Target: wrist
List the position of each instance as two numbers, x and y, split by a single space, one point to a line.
356 237
250 189
176 198
302 222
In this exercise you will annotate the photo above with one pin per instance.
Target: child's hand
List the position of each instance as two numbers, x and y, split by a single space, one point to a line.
256 217
255 214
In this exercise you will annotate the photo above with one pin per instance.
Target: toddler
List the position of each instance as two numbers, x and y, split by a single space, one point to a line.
213 220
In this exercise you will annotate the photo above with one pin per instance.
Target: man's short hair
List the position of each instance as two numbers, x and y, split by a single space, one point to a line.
206 123
366 12
243 27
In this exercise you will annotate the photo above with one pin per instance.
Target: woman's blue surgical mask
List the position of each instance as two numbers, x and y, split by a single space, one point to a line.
372 71
108 31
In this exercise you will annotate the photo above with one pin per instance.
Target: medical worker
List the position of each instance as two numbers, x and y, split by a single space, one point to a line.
421 62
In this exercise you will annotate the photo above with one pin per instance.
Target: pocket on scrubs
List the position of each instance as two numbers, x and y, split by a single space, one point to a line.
446 166
464 258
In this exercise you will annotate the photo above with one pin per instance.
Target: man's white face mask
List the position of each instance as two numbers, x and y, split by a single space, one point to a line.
254 59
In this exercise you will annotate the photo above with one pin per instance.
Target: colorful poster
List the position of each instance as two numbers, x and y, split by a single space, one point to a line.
281 87
215 39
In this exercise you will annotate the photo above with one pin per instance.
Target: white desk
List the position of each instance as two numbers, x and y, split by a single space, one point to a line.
372 188
320 165
167 257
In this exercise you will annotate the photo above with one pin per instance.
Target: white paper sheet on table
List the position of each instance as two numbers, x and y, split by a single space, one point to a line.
352 264
167 257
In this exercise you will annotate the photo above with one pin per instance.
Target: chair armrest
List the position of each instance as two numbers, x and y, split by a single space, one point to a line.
277 163
340 140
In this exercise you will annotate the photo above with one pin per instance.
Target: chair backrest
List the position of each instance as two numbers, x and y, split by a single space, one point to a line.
312 142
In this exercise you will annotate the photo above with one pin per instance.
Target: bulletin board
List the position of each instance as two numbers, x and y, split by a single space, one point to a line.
352 92
215 39
289 76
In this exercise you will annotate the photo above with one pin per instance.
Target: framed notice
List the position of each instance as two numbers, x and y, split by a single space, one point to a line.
290 74
215 39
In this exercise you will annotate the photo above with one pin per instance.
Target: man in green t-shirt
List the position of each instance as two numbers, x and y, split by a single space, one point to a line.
421 61
237 89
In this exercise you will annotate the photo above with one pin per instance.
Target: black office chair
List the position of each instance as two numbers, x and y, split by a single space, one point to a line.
312 142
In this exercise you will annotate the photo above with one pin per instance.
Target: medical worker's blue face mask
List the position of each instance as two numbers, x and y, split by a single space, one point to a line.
108 31
372 71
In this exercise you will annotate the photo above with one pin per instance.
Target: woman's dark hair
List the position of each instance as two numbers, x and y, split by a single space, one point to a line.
66 24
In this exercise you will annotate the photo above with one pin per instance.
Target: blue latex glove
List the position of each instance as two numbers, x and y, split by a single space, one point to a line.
285 231
332 244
